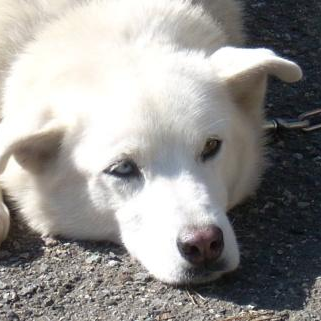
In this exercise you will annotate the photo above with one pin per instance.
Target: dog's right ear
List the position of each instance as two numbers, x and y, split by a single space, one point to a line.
32 151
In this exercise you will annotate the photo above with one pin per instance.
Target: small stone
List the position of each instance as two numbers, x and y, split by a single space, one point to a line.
251 306
280 252
28 290
303 204
50 242
43 268
143 277
112 263
12 316
110 302
10 296
222 311
3 286
287 37
269 205
298 156
95 258
48 302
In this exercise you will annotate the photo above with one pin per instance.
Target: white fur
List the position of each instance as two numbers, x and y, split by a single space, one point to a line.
87 83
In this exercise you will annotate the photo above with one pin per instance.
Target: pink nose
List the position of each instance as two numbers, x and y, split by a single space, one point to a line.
201 244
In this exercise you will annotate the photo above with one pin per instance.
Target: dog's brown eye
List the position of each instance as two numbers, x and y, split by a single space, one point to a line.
211 148
123 169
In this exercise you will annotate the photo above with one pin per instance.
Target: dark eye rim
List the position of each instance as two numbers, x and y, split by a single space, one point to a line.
212 153
112 169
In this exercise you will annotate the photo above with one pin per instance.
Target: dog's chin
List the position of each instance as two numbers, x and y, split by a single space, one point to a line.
198 275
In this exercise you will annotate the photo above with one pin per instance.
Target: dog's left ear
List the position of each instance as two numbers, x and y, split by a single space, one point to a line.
245 71
32 151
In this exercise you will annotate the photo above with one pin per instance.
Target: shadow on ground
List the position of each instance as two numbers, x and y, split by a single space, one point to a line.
21 247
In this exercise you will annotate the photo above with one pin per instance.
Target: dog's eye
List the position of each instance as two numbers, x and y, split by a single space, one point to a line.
123 169
211 148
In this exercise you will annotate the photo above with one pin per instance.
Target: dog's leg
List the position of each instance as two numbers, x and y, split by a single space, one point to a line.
4 219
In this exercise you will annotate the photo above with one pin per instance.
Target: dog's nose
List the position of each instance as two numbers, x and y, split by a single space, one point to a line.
200 245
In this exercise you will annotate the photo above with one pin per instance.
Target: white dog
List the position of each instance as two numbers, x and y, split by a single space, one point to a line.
135 122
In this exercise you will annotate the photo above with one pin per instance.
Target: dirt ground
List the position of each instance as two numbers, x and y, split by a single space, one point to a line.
279 229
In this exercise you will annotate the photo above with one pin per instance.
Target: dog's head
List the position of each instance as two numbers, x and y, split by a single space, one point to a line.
152 150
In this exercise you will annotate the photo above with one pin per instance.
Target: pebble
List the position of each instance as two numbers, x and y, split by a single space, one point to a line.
143 277
28 290
298 156
303 204
3 286
50 242
287 37
10 296
251 306
12 316
48 302
95 258
43 268
112 255
112 263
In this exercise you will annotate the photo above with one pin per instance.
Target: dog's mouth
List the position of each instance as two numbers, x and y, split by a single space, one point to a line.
204 273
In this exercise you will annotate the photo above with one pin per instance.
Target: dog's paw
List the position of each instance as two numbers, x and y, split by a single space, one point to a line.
4 222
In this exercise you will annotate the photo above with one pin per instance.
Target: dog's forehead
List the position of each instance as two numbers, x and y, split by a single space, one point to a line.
167 91
164 107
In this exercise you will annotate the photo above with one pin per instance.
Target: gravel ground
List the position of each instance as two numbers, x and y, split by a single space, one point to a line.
278 229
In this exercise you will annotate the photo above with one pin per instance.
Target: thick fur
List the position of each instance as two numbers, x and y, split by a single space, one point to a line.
86 84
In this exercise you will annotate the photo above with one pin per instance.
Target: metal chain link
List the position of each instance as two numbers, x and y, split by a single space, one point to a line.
306 122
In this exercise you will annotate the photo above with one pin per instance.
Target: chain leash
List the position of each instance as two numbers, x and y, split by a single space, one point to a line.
306 122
